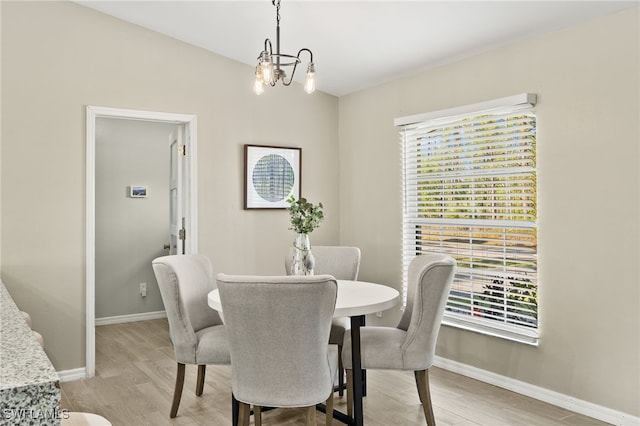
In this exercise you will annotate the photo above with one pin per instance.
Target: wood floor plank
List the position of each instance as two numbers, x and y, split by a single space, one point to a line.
135 375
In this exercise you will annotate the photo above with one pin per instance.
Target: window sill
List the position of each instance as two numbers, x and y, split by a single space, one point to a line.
490 328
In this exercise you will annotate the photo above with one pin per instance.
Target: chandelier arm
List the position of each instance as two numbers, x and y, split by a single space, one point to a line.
304 49
295 65
288 83
267 46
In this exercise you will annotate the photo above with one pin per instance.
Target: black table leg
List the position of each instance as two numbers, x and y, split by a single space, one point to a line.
364 383
358 414
364 372
235 410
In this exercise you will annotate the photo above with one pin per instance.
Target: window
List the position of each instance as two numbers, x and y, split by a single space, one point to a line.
469 190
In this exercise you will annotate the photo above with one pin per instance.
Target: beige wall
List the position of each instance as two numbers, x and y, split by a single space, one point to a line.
59 57
587 81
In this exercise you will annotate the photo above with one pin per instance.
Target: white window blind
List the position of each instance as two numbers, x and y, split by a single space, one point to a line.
469 190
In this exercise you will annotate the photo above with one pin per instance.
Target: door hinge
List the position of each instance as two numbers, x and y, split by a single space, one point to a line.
182 234
183 150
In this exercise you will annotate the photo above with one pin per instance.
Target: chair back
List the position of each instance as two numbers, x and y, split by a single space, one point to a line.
278 329
184 282
429 281
342 262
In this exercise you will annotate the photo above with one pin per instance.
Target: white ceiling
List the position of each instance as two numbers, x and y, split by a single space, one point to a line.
357 44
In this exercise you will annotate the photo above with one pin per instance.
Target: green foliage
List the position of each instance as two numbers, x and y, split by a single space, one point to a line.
305 217
520 305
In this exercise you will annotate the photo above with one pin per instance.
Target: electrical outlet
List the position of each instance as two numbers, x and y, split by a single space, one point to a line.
379 314
143 289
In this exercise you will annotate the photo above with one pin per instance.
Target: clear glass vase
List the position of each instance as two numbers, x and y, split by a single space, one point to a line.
303 261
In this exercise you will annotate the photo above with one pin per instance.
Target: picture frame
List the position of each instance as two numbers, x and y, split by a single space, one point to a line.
137 191
272 174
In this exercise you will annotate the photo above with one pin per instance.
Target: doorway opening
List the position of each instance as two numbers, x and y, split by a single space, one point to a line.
187 126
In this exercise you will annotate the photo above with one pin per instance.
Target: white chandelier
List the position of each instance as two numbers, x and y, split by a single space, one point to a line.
271 64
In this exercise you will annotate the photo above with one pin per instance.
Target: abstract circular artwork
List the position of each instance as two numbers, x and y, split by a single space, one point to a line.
273 177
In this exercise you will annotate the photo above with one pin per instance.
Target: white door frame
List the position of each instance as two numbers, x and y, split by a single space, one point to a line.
94 112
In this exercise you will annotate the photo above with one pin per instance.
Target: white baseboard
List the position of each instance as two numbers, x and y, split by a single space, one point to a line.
560 400
119 319
71 375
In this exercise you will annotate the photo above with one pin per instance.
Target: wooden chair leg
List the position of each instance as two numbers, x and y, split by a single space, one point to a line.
422 382
177 391
418 374
202 369
329 410
257 415
244 414
311 416
350 393
340 372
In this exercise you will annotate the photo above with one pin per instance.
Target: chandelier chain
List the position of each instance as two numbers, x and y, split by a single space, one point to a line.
276 3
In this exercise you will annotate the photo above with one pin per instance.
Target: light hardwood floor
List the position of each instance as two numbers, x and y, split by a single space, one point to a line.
135 373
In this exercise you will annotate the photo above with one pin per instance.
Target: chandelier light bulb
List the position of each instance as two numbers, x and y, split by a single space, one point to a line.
266 67
310 82
258 86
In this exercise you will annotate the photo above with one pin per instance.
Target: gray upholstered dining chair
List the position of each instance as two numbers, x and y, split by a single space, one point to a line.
278 329
197 333
411 344
343 263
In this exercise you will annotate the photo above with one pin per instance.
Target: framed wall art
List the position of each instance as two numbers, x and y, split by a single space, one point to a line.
272 174
137 191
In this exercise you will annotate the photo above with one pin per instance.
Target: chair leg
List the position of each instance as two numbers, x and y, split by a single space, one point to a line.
257 415
244 414
340 372
422 382
329 410
350 393
418 376
202 369
311 416
177 391
235 410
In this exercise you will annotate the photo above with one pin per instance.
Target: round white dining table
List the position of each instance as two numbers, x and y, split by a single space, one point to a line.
355 299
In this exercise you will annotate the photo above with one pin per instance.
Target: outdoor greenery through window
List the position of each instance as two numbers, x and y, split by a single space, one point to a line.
470 192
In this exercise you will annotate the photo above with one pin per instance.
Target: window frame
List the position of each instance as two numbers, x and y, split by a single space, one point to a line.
525 333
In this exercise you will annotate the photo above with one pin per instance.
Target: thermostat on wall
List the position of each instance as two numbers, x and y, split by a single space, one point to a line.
137 191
